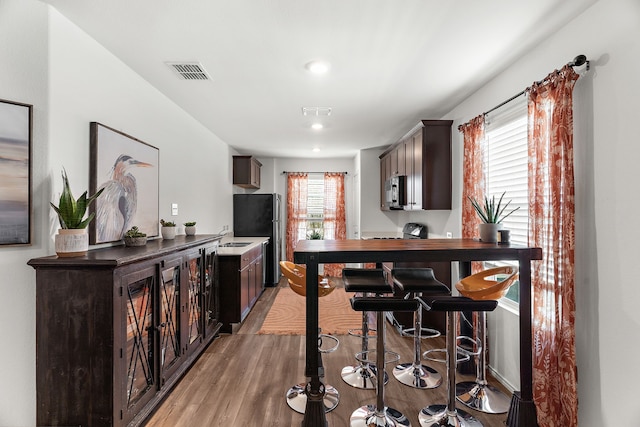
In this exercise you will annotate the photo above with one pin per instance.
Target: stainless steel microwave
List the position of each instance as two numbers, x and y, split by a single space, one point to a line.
395 192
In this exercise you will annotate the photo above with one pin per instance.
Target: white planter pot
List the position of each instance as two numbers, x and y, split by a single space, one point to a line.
168 233
72 242
190 230
489 232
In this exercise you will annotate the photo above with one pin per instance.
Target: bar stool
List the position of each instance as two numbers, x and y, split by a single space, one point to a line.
478 394
448 415
379 415
297 395
419 282
367 281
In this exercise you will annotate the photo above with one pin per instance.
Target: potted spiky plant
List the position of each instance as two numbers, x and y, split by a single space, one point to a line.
72 238
492 214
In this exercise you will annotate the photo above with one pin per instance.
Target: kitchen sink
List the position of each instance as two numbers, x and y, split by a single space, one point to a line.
235 244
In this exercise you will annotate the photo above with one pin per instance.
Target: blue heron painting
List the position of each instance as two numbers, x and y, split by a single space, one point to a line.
127 169
119 200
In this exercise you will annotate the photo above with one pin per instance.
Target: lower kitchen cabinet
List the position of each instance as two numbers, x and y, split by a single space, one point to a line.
241 280
117 328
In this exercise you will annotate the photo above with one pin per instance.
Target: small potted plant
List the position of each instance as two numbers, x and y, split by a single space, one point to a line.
168 229
492 214
72 239
314 235
135 237
190 228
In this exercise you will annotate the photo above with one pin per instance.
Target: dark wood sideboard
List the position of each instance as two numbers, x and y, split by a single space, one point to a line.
117 328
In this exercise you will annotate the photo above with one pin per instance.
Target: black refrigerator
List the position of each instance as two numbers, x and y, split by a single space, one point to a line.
258 215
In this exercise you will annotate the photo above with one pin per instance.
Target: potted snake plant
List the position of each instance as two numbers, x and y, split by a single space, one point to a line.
72 239
492 214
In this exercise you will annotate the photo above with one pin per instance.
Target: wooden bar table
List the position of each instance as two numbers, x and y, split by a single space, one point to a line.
522 412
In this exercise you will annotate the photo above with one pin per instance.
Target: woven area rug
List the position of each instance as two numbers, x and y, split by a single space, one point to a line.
287 314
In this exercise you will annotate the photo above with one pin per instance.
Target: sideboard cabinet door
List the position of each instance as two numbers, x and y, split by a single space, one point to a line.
137 355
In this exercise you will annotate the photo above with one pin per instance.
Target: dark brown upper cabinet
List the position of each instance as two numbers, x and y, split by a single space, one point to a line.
246 171
424 156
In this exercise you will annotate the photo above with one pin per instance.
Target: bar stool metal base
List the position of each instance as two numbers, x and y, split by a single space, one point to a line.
366 416
297 398
361 376
418 376
483 398
439 415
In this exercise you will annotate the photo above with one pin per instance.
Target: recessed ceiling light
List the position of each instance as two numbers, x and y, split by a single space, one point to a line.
317 126
316 150
317 67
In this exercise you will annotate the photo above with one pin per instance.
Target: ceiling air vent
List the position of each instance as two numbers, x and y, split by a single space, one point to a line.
316 111
189 70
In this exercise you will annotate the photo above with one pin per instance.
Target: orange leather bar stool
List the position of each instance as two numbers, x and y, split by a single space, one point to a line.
296 395
379 415
448 415
478 394
419 282
368 282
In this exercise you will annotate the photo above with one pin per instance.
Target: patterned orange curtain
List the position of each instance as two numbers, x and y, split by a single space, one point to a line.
296 211
473 177
552 213
335 224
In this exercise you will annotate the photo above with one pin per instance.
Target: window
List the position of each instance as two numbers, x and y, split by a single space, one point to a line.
506 169
311 227
314 225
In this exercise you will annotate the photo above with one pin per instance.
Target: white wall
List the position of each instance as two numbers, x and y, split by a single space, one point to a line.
23 78
606 152
71 80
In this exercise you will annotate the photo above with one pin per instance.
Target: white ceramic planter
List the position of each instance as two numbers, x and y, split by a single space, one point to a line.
168 233
489 232
72 242
190 230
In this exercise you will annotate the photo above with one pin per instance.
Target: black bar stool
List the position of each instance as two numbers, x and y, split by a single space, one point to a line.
379 415
419 282
368 281
448 415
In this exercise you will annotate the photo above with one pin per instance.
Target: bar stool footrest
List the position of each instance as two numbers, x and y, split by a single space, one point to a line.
358 333
331 349
462 356
425 333
389 357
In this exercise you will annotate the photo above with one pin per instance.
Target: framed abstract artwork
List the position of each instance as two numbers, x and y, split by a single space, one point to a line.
15 173
128 170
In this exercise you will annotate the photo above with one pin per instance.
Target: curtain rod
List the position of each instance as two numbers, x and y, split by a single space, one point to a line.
286 172
577 62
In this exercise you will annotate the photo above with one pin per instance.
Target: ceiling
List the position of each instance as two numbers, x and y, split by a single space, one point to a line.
393 62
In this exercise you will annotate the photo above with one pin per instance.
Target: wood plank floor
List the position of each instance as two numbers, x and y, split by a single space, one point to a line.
241 380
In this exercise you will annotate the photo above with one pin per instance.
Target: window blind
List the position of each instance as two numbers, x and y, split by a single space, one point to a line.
506 164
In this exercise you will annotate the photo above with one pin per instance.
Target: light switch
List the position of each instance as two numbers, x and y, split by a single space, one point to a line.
174 209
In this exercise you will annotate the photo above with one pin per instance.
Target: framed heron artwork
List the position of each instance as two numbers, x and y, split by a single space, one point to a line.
128 170
15 173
